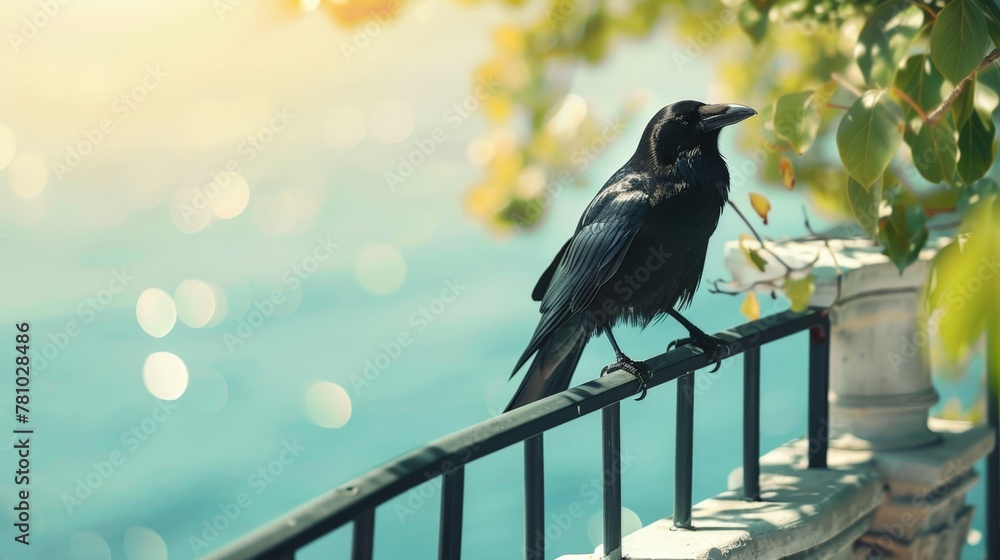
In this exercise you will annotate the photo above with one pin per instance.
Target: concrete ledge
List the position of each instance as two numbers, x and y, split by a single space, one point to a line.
905 503
802 511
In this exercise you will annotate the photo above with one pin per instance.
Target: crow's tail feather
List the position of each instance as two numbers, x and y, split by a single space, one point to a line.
552 369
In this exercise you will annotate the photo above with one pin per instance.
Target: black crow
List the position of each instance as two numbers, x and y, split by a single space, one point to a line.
638 250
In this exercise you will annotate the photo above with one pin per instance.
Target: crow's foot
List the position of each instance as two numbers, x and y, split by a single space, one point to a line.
713 346
639 370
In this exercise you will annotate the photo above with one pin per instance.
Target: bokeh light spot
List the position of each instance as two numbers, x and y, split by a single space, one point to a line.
232 200
392 121
328 405
221 306
567 119
531 182
28 175
195 301
142 543
165 375
87 545
380 269
480 151
156 312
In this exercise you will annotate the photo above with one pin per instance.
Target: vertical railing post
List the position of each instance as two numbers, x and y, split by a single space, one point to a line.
534 499
452 497
751 424
993 460
611 434
364 536
819 393
684 451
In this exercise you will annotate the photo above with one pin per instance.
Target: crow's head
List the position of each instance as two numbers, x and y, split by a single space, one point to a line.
688 126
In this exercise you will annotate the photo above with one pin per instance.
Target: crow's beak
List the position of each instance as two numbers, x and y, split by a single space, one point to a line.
714 117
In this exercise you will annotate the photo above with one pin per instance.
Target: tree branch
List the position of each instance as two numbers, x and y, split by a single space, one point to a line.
947 103
909 101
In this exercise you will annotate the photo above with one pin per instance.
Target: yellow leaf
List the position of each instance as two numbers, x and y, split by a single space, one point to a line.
485 200
509 39
505 169
787 174
761 205
800 291
751 307
498 107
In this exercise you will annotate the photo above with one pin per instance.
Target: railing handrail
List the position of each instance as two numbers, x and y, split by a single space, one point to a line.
350 501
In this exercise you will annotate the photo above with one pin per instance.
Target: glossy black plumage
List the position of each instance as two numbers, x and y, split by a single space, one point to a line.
639 249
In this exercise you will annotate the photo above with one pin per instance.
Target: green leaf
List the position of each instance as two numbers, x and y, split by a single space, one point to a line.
865 204
983 191
797 116
869 136
935 151
903 235
757 260
966 102
975 144
921 81
753 20
992 13
959 39
752 256
964 285
886 36
800 291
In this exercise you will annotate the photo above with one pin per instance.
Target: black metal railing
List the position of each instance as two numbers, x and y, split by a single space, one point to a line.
447 457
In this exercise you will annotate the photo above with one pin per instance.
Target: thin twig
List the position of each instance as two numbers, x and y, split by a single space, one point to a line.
757 235
763 247
715 289
947 103
847 85
837 106
925 8
909 101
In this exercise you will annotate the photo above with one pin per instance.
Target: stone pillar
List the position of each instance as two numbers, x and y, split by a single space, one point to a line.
880 379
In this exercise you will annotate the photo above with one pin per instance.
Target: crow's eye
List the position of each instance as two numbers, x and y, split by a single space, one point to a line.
683 120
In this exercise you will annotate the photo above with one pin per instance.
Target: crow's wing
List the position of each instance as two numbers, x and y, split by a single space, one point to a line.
543 282
590 258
